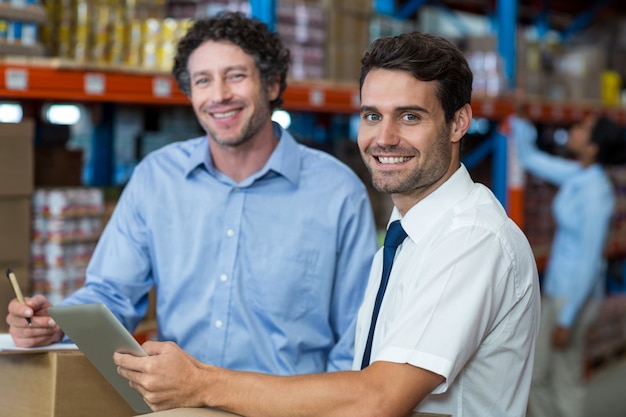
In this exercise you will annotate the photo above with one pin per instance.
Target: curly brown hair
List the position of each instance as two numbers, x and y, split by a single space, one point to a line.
251 35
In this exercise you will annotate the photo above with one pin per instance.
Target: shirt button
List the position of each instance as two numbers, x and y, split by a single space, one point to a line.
230 233
223 277
236 189
218 323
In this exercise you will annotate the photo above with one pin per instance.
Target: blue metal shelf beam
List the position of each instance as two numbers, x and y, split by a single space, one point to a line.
265 11
506 11
584 19
386 7
409 8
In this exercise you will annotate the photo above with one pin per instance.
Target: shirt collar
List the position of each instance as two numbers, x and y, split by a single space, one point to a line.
284 160
425 213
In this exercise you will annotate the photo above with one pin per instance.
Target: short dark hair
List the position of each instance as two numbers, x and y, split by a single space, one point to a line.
427 58
609 137
251 35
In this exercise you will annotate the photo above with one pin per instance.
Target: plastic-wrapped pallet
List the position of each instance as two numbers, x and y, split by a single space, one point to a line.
66 226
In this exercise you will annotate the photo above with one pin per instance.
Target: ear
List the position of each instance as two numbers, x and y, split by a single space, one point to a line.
461 123
273 89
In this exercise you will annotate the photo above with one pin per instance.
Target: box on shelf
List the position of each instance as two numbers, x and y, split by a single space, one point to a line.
14 229
361 6
14 248
16 158
581 69
56 384
301 27
19 28
348 36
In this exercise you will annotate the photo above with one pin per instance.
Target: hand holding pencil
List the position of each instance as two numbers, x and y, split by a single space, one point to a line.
28 319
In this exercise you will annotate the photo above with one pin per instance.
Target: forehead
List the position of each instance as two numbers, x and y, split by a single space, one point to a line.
388 90
212 55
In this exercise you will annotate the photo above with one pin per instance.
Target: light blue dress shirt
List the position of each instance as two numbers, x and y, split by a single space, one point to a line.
582 210
262 275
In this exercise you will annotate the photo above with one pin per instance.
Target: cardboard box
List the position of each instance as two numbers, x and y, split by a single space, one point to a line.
347 38
14 249
56 384
16 158
14 229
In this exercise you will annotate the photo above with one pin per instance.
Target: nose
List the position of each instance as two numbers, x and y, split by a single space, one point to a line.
220 91
387 133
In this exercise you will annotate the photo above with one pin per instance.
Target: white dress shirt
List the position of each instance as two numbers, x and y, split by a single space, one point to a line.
462 301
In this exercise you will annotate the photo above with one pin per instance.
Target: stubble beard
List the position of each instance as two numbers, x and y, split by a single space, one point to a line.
248 130
422 174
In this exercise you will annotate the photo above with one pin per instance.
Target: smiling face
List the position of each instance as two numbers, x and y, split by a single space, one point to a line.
404 139
227 95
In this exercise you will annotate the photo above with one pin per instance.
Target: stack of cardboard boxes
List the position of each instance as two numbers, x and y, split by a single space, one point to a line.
38 383
347 38
16 187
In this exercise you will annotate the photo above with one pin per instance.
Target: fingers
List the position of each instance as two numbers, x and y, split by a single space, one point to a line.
35 336
37 305
38 302
41 330
33 314
19 321
156 348
127 371
16 309
129 362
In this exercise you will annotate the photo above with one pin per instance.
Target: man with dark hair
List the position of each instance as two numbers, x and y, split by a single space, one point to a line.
450 327
259 247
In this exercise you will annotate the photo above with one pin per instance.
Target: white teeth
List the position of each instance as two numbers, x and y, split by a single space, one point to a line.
392 159
223 115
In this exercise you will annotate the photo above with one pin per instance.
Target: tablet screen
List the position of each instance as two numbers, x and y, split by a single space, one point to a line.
99 334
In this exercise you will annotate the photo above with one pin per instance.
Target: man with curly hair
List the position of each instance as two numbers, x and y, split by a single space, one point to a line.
259 247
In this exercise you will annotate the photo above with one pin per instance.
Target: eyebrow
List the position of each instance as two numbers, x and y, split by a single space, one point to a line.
224 70
418 109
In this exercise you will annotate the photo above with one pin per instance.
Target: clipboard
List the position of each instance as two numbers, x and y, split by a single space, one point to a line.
99 334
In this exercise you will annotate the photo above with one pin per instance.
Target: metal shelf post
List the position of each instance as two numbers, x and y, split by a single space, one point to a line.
265 11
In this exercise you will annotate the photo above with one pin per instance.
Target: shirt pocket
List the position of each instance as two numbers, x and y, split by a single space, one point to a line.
284 285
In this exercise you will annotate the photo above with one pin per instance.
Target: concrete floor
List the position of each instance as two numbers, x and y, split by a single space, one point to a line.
607 392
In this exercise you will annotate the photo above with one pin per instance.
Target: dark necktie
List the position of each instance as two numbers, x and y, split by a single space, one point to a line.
394 237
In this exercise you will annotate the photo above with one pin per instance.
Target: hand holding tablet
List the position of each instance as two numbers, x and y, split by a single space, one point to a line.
99 334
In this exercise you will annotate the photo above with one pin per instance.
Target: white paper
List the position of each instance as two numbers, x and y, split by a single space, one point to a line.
7 345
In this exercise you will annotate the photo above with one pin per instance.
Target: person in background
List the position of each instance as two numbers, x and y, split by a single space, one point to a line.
456 329
259 247
573 282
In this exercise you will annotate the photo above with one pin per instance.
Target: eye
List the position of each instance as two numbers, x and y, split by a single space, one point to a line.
236 76
372 117
200 81
410 117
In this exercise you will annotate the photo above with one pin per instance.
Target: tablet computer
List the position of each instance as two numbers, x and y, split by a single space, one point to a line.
99 334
